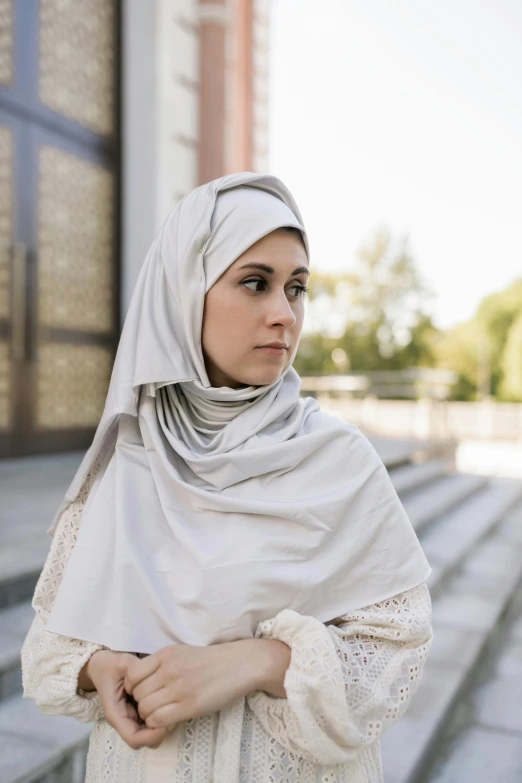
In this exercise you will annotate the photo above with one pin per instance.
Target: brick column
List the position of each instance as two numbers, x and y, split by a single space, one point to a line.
214 19
241 106
233 128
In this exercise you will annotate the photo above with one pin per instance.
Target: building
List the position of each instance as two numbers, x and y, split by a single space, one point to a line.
110 110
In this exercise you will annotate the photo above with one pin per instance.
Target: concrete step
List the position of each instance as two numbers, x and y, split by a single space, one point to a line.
45 749
413 476
466 615
455 533
37 748
491 715
483 756
19 572
396 452
14 625
16 619
430 502
32 489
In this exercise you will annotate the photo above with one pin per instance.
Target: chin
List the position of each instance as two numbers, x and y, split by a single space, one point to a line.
263 378
257 373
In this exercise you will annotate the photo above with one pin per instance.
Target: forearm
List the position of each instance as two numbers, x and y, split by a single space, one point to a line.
255 665
271 660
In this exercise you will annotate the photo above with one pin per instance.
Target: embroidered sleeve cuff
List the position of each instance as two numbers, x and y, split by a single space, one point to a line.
313 720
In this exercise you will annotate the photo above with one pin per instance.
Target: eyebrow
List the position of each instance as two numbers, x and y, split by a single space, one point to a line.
270 271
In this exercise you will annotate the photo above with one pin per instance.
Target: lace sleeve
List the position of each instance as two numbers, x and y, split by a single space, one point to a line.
348 681
51 662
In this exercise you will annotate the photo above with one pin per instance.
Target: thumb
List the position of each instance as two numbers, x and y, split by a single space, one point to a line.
124 718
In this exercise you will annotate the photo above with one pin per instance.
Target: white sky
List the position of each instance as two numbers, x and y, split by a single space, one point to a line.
407 113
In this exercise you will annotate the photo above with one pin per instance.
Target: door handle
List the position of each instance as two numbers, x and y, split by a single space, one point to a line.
19 267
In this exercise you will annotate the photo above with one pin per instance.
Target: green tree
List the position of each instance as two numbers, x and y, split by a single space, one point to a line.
483 350
458 349
496 315
511 365
382 323
380 304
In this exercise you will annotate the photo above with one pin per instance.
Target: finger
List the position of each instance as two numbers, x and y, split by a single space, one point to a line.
138 670
131 709
166 717
138 737
123 717
153 701
118 705
149 685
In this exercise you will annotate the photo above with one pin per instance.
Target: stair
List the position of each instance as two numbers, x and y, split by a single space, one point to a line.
14 624
475 549
483 739
32 488
470 528
34 748
413 476
426 504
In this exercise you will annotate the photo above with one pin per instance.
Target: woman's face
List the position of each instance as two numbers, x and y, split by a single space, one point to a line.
258 300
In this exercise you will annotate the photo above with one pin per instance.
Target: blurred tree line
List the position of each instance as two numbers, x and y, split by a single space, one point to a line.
376 317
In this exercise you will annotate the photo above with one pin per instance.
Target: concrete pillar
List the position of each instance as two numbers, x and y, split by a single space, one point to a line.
423 418
159 124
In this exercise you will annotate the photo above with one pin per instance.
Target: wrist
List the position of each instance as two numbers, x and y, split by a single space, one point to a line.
273 661
84 676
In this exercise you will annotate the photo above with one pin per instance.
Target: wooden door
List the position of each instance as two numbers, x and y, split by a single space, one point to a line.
59 220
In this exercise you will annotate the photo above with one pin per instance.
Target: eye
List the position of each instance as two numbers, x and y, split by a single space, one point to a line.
300 290
253 281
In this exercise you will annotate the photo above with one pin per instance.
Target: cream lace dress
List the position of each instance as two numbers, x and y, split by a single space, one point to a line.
348 681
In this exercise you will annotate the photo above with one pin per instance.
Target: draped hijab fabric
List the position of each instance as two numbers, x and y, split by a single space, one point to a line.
215 508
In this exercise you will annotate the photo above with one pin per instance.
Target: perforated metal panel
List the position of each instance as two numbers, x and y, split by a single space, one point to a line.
6 230
59 219
75 242
72 383
5 385
77 55
6 42
6 216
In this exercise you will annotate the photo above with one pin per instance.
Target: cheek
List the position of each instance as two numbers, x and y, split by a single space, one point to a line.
225 320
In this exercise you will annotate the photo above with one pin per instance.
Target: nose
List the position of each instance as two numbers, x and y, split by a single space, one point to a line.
280 311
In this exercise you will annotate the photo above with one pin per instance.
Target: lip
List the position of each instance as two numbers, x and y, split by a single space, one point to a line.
272 351
274 344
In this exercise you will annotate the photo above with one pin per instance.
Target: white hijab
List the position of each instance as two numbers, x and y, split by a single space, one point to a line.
216 508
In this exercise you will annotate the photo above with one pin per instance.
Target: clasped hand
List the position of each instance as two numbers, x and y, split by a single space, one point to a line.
180 682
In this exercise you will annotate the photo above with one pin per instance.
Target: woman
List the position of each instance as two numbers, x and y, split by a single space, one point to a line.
234 592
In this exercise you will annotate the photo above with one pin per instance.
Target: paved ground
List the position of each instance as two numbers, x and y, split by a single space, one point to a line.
465 722
31 490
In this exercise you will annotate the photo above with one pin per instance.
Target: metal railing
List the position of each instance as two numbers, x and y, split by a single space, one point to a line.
424 410
414 382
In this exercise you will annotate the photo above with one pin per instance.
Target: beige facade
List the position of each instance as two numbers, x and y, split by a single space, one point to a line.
110 111
195 106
